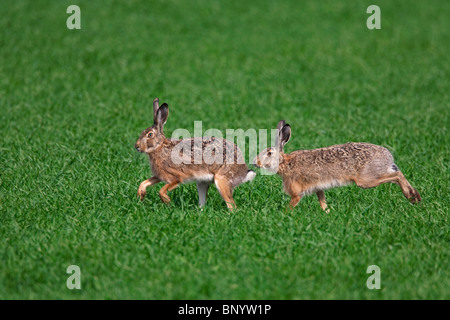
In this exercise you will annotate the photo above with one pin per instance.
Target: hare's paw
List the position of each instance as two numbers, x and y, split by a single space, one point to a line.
164 197
141 193
415 196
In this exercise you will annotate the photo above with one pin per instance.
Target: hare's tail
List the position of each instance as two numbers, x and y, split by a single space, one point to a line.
250 176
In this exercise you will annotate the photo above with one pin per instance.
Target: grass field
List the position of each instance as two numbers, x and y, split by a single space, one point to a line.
73 103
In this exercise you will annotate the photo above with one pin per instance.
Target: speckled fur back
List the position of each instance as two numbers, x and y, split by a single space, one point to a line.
334 166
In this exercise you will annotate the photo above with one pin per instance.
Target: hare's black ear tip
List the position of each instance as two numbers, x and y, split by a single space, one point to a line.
165 105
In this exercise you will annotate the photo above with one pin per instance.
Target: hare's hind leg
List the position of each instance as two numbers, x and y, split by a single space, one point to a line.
226 191
395 177
168 187
202 188
142 191
323 201
409 192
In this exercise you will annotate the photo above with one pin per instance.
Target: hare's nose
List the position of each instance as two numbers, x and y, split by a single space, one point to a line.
137 147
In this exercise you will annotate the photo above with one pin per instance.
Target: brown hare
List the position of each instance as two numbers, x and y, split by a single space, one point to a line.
307 171
174 161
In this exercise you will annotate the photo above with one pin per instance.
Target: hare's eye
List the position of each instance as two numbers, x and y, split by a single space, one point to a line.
150 135
269 154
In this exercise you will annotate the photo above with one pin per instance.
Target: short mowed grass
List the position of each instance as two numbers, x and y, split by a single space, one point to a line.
73 103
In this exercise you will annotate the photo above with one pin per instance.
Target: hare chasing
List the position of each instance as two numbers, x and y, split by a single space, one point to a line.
307 171
176 161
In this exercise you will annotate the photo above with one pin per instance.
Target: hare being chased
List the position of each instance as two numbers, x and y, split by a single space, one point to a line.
176 161
307 171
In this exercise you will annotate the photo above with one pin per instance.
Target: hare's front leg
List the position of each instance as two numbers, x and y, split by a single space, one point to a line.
168 187
296 192
144 185
323 201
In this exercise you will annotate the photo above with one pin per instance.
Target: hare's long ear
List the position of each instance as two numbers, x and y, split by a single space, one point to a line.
284 136
161 117
279 127
155 108
281 124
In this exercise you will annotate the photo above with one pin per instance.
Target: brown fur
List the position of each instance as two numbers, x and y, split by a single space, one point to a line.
228 172
307 171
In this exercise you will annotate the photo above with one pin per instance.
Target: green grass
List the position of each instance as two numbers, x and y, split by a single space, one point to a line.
73 103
